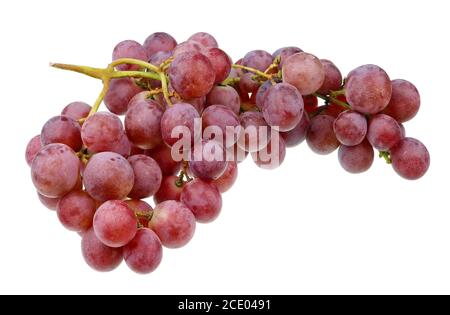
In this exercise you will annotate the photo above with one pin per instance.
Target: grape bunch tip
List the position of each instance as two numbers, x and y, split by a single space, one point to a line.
191 116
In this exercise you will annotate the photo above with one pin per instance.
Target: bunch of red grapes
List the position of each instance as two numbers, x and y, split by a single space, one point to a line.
95 169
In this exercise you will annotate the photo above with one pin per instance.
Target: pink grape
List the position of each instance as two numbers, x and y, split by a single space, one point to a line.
33 147
208 160
76 211
115 224
283 107
220 62
405 101
179 115
271 156
410 158
142 207
247 84
129 49
320 137
162 154
174 223
62 129
123 147
304 71
203 199
119 94
76 110
198 103
368 89
224 95
227 179
102 132
223 118
297 135
384 132
356 159
170 189
108 176
255 131
205 39
188 46
284 53
142 123
257 59
55 170
144 253
191 75
49 203
261 94
159 42
350 128
147 176
99 256
333 78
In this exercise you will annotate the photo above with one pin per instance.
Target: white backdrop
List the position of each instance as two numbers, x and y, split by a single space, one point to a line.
307 227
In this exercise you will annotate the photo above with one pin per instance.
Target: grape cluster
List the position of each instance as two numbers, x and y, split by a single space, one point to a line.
190 116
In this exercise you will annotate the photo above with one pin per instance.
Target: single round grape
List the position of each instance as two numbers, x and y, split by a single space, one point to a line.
147 176
205 39
272 156
191 75
208 160
257 59
123 147
383 132
178 119
255 131
162 154
99 256
108 176
283 107
55 170
141 207
285 52
405 101
368 89
320 137
170 189
129 49
102 132
144 253
76 110
188 46
333 77
220 62
119 95
227 179
76 211
304 71
222 118
410 158
49 203
62 129
311 103
356 159
247 84
143 123
203 199
33 147
261 94
159 42
350 128
115 224
174 223
224 95
297 135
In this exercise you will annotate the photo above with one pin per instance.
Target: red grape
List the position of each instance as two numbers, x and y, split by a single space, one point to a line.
129 49
55 170
179 119
170 189
144 253
142 207
203 199
62 129
99 256
384 132
224 95
356 159
410 158
227 179
49 203
115 224
284 53
220 62
162 154
102 132
174 223
333 77
209 160
76 211
261 94
257 59
223 123
205 39
350 128
76 110
310 103
272 156
320 137
159 42
188 46
33 147
297 135
119 95
255 132
304 71
147 176
405 101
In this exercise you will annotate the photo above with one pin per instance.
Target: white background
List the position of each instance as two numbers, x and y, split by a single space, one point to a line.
307 227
